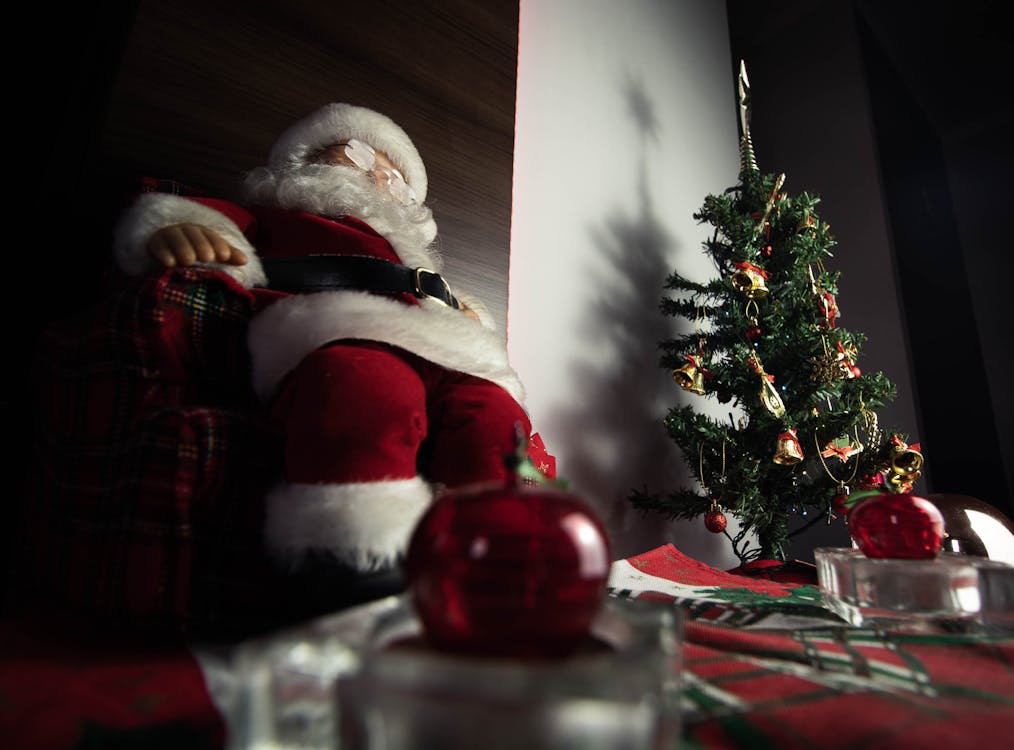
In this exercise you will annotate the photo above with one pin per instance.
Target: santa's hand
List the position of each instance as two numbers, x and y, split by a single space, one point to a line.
187 244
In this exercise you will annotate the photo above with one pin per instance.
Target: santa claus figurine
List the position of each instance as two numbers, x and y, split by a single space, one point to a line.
385 382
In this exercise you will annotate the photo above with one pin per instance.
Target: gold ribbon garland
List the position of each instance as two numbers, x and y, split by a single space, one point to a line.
770 205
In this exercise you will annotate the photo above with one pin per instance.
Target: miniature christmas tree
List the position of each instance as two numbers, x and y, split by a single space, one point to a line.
768 343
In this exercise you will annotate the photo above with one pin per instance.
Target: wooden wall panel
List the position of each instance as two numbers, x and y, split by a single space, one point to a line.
205 88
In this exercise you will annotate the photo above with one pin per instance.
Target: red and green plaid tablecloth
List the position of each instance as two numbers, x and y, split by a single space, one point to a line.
764 666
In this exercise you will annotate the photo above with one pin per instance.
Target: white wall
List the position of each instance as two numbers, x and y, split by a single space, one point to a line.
626 119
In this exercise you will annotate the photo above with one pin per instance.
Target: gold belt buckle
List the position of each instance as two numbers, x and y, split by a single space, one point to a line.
418 272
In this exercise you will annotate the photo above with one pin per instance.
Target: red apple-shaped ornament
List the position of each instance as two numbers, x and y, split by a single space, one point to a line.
900 526
508 570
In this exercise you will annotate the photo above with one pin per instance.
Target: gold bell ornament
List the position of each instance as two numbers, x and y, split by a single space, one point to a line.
788 451
750 280
906 464
903 485
690 377
905 459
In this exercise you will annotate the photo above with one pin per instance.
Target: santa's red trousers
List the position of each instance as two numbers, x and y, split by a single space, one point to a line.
360 411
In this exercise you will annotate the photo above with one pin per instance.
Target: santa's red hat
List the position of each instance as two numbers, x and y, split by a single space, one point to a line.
337 123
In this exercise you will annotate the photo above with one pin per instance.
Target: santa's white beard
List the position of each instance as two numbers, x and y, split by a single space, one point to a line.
336 191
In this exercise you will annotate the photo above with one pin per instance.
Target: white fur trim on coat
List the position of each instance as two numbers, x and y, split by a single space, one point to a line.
154 211
365 525
477 306
333 123
289 329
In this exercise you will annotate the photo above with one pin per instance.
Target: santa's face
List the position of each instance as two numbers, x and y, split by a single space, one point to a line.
334 187
355 153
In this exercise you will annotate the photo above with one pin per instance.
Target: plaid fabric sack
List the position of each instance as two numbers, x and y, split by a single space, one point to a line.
151 459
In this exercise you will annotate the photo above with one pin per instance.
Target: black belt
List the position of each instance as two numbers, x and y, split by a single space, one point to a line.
319 273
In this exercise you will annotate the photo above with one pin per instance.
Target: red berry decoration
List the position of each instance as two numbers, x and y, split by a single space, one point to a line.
870 482
508 571
715 521
839 503
753 333
897 526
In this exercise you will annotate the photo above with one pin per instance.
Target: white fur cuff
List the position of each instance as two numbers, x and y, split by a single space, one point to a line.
154 211
366 526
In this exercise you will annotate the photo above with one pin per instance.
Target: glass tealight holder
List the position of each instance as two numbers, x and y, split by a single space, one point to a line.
286 682
970 592
618 691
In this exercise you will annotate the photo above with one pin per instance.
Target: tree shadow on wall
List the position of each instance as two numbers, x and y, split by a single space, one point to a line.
616 440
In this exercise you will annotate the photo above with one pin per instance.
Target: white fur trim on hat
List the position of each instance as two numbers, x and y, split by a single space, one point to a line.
289 329
334 123
154 211
366 525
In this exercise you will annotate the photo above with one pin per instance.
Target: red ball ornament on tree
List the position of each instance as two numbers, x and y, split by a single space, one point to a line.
715 521
897 526
753 333
508 570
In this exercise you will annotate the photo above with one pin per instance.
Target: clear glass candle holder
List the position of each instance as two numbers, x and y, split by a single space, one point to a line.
285 684
866 591
619 691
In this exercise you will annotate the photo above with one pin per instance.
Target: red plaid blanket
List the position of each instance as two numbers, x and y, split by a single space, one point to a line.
151 459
